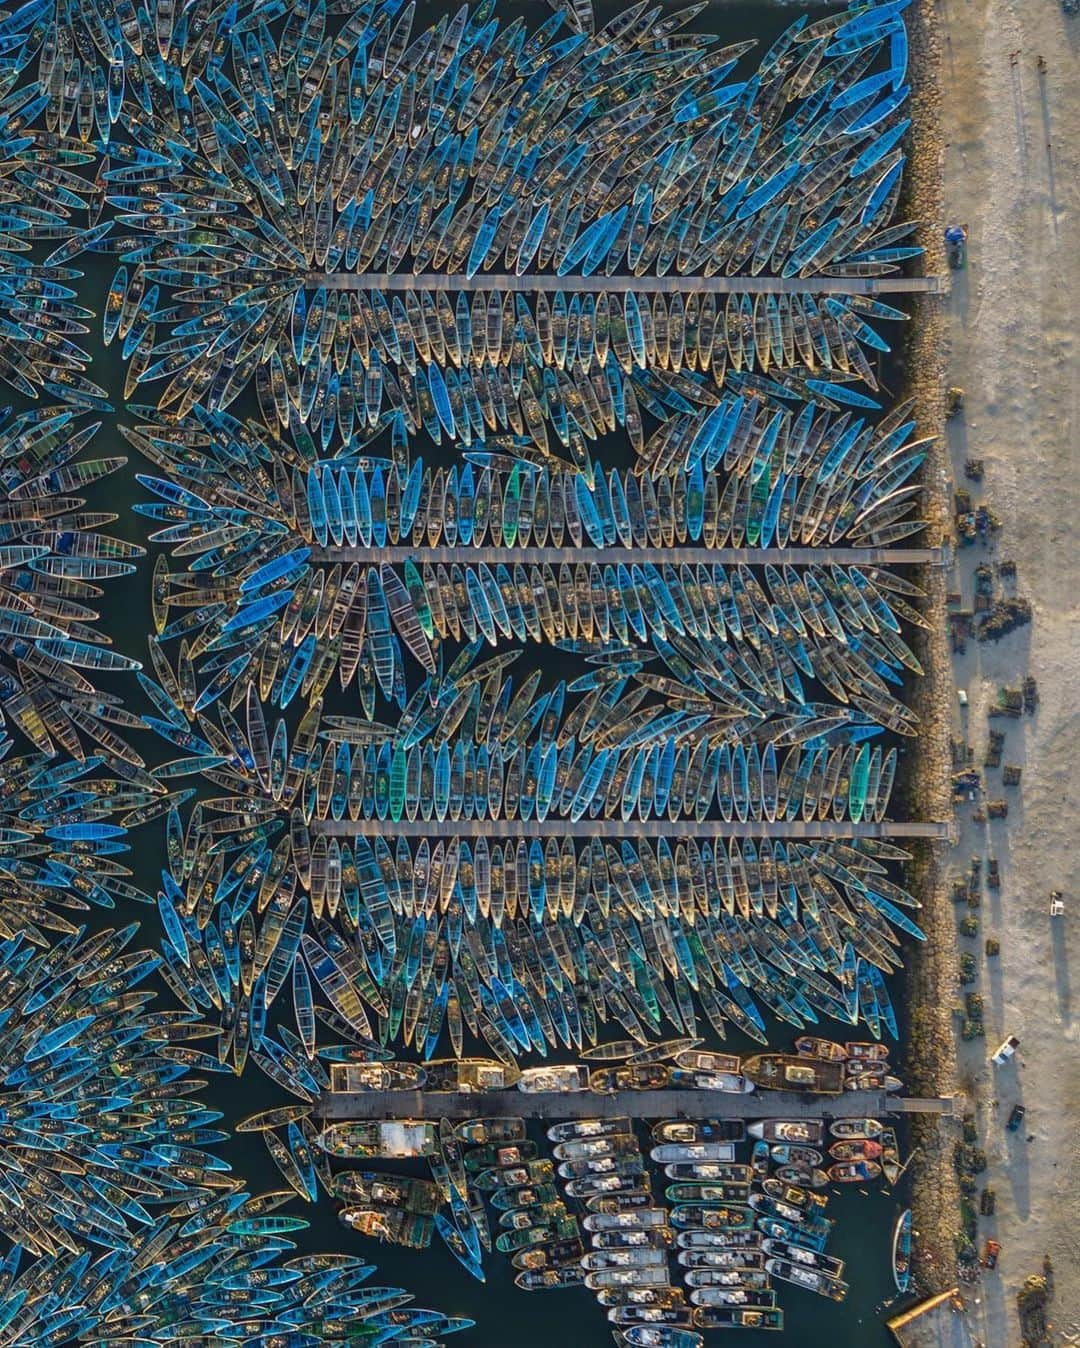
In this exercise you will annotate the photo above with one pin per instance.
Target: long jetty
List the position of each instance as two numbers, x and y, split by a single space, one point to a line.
663 1104
635 828
640 285
677 556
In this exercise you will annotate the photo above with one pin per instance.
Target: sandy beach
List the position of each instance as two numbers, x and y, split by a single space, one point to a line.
1011 126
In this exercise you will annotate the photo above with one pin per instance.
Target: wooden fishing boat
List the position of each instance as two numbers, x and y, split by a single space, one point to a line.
856 1149
801 1132
784 1072
810 1279
854 1172
738 1317
901 1251
855 1128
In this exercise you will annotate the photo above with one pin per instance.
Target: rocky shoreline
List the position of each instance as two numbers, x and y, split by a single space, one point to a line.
931 1066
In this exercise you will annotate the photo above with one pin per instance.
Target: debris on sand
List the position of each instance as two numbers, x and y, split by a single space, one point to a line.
1003 618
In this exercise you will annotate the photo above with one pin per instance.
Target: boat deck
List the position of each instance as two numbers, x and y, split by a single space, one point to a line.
664 1104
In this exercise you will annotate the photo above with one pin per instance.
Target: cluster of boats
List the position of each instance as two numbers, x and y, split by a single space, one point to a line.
251 166
53 554
727 1230
818 1067
500 503
863 1066
726 732
741 472
119 1217
262 601
43 326
512 365
58 856
527 949
613 775
731 1227
268 180
260 164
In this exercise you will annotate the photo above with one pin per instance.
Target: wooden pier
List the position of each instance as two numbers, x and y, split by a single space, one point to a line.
499 829
664 1104
640 285
678 556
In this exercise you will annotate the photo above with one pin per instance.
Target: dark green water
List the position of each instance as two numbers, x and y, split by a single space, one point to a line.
504 1314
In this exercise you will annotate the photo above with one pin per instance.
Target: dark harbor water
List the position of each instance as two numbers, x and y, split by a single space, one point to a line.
505 1315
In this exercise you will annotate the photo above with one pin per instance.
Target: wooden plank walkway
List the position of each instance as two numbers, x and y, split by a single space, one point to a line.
677 556
640 285
616 828
637 1104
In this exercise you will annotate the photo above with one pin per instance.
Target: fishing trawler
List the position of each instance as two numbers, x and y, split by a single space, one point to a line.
561 1079
698 1130
779 1071
478 1132
376 1076
588 1128
466 1075
805 1132
857 1129
738 1317
812 1280
397 1139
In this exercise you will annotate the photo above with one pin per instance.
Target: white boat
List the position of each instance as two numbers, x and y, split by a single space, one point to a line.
693 1151
561 1080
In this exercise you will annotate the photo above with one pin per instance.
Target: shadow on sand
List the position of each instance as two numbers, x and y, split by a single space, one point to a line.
1061 970
1051 181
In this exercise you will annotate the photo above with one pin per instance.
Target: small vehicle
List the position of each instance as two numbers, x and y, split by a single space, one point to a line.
1005 1052
1016 1118
991 1250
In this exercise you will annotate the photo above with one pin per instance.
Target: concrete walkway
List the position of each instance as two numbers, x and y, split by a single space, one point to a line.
637 1104
640 285
677 556
634 828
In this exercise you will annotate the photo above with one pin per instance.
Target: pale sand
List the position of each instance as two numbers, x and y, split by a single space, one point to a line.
1013 177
